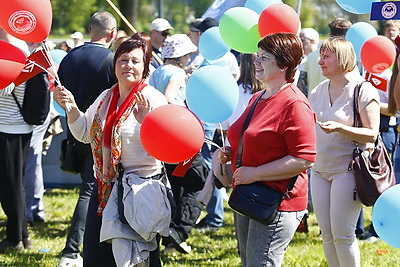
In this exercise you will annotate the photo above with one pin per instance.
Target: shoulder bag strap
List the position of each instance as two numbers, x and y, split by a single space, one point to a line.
16 101
240 147
244 127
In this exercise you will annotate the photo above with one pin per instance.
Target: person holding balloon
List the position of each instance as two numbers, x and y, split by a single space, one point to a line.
112 126
332 185
278 144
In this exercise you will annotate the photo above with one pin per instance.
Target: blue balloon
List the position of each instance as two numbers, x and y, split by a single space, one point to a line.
59 109
356 6
212 94
58 55
386 216
211 45
358 33
259 5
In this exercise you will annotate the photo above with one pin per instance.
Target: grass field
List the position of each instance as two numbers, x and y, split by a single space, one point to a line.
208 249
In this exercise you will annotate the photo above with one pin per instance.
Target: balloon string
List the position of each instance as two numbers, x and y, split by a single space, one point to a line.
222 137
212 143
49 59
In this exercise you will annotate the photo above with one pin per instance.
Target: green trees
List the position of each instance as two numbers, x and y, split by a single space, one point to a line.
73 15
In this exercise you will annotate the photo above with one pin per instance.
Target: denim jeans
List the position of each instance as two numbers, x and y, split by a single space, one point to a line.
265 245
33 178
77 228
215 209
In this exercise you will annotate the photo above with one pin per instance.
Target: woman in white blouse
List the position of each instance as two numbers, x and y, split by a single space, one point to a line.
332 184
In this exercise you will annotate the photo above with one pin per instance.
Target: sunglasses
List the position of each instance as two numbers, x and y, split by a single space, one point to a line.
165 33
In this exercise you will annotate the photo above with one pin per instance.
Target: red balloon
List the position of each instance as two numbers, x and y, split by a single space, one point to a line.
172 133
28 20
276 18
12 61
377 54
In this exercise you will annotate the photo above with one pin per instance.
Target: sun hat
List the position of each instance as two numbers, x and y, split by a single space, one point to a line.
160 25
77 35
177 45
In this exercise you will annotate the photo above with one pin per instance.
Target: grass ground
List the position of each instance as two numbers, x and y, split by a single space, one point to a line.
208 249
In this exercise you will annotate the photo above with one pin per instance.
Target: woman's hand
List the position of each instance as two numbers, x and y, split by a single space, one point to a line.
64 98
224 155
143 107
330 126
244 175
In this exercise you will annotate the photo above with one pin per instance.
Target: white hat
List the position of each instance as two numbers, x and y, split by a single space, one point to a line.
311 34
77 35
160 25
70 43
177 45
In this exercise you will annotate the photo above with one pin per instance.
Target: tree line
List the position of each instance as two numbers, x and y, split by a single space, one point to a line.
73 15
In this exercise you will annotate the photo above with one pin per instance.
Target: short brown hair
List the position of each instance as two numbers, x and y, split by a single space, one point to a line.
339 27
136 41
287 49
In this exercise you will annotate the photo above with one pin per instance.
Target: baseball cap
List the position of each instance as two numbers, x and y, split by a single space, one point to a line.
77 35
160 25
207 23
177 45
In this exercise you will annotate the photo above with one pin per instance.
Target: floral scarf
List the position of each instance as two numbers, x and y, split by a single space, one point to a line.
106 139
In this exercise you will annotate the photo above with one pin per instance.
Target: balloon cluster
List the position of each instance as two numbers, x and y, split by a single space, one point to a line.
211 92
26 20
376 53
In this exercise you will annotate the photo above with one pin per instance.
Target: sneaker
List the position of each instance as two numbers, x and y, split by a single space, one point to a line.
69 262
368 237
178 242
202 226
169 249
27 243
8 245
372 239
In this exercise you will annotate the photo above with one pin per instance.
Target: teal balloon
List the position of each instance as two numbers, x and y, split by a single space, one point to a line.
356 6
259 5
212 94
57 55
211 45
358 33
239 29
386 216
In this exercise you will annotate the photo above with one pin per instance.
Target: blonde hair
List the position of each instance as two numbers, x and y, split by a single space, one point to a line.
344 52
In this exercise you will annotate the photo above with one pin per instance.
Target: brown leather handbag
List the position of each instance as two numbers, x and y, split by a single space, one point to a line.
373 172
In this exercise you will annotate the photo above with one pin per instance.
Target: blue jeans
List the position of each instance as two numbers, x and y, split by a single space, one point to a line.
215 209
33 178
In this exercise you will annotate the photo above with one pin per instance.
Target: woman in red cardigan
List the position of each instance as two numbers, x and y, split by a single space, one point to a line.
278 144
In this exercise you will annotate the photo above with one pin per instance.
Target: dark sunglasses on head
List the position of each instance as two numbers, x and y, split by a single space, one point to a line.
165 33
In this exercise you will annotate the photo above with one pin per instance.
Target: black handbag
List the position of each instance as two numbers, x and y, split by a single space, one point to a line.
70 161
257 200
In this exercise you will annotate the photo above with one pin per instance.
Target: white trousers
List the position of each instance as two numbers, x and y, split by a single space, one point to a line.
337 213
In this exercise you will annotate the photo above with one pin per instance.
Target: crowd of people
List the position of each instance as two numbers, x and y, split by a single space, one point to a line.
294 122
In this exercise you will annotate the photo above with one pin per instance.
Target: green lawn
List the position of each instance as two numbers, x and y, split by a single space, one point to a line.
208 249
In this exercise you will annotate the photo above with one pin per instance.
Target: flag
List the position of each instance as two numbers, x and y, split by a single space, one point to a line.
34 64
385 10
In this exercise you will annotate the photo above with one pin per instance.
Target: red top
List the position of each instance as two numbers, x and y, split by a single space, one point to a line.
281 125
